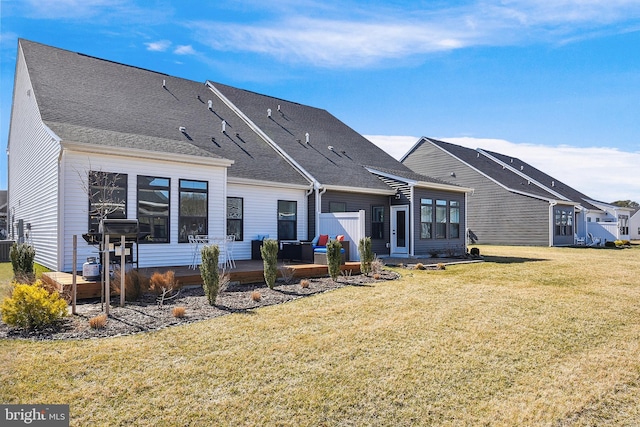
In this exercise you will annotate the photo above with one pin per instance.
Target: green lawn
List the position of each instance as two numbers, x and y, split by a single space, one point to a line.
533 336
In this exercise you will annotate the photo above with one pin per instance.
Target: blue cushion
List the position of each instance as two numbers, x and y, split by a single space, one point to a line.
323 250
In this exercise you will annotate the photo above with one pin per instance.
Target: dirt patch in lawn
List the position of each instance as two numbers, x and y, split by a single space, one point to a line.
146 315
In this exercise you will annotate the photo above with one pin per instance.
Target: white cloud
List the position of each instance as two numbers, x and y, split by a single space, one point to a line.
603 173
382 34
159 46
184 50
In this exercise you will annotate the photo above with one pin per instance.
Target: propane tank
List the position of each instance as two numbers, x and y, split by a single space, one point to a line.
91 269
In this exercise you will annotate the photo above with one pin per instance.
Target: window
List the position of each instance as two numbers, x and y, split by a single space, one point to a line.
426 218
337 207
193 215
153 208
454 219
107 197
564 222
441 219
235 217
287 220
377 222
623 221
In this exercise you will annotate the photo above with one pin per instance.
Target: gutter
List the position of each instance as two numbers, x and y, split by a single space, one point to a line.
144 154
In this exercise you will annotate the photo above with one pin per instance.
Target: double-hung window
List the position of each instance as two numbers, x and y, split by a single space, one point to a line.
235 217
426 218
441 219
287 220
153 208
377 222
107 197
454 219
193 212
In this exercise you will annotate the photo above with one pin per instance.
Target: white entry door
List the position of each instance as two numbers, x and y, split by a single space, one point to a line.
400 230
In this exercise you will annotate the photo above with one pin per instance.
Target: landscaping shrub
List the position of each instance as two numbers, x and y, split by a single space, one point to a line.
209 272
30 306
255 296
163 284
22 255
420 266
269 252
178 312
377 265
609 244
98 322
135 284
304 283
366 254
334 258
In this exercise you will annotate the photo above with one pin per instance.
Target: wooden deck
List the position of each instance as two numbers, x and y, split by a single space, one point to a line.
245 272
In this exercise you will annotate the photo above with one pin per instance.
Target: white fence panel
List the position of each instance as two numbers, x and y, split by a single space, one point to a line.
350 224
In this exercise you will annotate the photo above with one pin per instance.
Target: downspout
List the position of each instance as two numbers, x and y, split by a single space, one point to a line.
411 221
551 222
466 224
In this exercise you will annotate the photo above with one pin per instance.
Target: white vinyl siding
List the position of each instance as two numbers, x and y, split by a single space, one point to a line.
156 255
33 171
261 213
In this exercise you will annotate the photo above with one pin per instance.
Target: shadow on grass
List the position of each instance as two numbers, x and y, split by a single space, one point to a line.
510 260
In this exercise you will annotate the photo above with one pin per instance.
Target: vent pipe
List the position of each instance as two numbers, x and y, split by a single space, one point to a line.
182 129
278 107
330 147
210 104
268 112
306 136
164 83
224 126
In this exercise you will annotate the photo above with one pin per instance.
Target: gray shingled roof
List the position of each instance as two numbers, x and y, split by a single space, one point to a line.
546 180
342 166
492 169
91 100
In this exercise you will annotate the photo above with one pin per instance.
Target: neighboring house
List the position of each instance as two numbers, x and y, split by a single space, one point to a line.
514 203
634 225
186 158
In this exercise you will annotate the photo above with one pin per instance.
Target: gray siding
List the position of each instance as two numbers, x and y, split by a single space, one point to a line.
495 215
425 246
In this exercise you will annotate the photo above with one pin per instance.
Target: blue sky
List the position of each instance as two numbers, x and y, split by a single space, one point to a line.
556 83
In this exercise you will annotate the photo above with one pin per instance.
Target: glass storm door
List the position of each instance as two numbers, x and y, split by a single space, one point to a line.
400 230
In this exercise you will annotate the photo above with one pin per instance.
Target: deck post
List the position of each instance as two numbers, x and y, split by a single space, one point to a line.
123 253
107 285
74 283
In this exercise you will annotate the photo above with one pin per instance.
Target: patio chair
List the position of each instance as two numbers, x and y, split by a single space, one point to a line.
580 241
593 241
230 260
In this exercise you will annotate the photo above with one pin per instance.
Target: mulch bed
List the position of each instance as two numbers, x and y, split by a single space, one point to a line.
145 315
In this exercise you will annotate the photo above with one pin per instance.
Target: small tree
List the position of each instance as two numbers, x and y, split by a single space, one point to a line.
334 258
22 256
209 272
269 252
366 254
163 285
